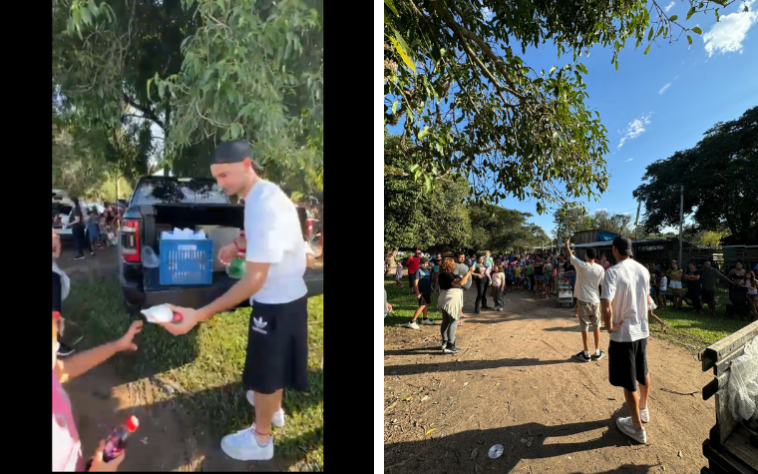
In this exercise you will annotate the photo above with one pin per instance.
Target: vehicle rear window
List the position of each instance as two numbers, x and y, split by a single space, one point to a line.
167 191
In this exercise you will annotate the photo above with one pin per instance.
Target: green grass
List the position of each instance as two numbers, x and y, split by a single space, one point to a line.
685 328
204 368
697 331
403 306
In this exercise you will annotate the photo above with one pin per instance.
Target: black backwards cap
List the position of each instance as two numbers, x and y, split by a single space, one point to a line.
234 151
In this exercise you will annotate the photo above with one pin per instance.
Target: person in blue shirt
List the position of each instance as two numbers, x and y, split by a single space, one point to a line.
93 228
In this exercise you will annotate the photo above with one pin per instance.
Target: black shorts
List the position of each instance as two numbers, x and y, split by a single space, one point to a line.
425 300
627 362
411 279
707 295
277 347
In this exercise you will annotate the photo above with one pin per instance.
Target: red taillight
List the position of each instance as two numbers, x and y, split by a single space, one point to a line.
130 241
309 226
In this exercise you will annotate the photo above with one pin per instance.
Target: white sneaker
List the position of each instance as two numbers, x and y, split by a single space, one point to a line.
413 325
645 415
627 427
243 446
277 420
428 322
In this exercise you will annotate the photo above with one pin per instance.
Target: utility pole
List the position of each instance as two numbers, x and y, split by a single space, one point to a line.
639 204
681 214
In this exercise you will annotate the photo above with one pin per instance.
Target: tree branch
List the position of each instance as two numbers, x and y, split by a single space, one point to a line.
147 112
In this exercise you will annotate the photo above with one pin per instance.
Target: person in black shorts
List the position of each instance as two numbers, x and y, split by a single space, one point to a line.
624 302
423 290
275 258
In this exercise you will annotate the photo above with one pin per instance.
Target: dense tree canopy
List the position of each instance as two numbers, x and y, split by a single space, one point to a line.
198 71
468 102
446 218
414 219
719 176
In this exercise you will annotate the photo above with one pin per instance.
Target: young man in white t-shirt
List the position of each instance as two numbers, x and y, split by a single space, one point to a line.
625 301
277 350
588 277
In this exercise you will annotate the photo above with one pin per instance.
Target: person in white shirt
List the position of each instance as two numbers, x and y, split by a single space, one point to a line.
587 308
625 303
275 254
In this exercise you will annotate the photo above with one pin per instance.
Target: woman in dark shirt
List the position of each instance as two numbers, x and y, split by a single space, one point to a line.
480 280
693 287
76 223
450 303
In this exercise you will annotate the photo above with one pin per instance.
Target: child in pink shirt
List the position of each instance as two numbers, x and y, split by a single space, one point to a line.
67 450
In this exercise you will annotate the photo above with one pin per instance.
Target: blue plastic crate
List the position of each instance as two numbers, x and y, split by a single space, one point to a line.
186 262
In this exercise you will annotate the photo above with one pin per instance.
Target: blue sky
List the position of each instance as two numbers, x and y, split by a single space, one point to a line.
659 103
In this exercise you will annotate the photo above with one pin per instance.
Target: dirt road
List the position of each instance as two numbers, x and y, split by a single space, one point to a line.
515 384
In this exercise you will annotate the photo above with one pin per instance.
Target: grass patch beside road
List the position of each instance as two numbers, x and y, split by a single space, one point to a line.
205 367
697 331
403 305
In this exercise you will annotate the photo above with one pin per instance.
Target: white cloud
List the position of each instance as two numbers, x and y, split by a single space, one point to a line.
635 128
663 89
670 6
727 35
630 159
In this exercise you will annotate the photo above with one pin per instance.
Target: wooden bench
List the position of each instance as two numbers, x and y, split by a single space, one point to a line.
731 448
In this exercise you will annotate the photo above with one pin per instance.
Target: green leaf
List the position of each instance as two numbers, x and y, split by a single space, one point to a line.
647 49
414 167
394 107
660 30
691 12
717 15
689 40
650 34
673 18
697 30
617 65
745 9
552 69
391 6
423 133
582 68
402 54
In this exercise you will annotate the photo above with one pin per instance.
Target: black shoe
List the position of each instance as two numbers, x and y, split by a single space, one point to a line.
64 350
444 345
598 357
486 308
582 357
451 349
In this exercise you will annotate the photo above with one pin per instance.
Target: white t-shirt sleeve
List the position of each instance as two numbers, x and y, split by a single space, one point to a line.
609 285
664 284
309 249
265 242
579 265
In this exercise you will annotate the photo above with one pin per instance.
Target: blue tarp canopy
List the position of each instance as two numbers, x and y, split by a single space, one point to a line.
606 236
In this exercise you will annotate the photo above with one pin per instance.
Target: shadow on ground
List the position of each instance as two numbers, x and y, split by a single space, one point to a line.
452 453
453 366
179 431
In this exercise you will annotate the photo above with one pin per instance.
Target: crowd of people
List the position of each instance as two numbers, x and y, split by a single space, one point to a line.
91 229
619 296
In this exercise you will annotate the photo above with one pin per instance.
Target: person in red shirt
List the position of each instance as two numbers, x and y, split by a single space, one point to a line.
413 263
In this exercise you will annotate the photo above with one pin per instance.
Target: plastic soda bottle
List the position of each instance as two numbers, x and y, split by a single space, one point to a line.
116 442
